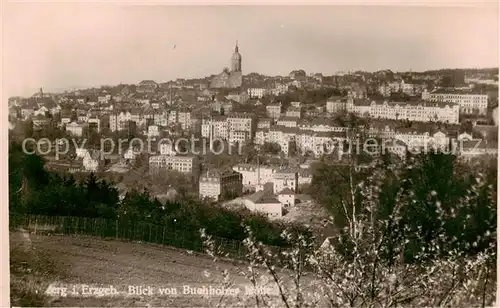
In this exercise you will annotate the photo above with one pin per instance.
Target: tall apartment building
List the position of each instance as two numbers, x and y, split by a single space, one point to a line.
172 116
118 120
253 175
469 103
221 184
419 111
216 127
238 137
184 119
236 128
94 122
318 143
160 118
279 89
274 111
242 123
336 104
285 179
278 134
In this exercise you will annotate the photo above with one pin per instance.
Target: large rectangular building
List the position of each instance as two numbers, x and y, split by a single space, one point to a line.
258 92
254 175
273 111
470 103
241 123
219 185
335 104
418 111
285 179
183 164
216 127
236 128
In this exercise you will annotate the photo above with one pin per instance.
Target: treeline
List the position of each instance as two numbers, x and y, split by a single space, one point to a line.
34 190
487 70
442 204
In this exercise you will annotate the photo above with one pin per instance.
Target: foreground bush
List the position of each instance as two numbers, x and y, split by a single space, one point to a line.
382 256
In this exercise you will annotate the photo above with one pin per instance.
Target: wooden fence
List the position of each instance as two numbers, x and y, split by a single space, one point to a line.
126 230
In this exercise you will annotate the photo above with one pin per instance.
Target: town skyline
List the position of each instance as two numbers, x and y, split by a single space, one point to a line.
126 44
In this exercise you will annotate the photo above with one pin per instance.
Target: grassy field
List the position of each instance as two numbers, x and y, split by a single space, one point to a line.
40 261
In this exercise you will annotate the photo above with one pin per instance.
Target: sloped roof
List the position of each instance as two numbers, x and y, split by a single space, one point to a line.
288 119
263 197
362 102
148 83
39 117
286 191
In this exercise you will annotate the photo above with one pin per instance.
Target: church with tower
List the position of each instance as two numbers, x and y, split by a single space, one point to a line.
230 79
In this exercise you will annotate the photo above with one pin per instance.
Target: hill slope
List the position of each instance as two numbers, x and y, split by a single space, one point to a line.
38 262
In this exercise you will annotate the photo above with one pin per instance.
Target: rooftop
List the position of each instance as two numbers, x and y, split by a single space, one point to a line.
366 103
286 191
295 119
262 196
456 91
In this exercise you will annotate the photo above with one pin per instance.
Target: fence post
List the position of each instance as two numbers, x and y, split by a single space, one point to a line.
149 238
163 237
116 228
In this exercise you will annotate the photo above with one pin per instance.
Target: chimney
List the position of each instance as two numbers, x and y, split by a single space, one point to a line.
258 169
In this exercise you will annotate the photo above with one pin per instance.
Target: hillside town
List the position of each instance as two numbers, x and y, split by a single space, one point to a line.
251 155
282 126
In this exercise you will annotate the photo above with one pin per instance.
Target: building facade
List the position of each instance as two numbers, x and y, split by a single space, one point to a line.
257 92
285 179
419 111
183 164
273 111
335 105
221 185
262 202
469 103
253 175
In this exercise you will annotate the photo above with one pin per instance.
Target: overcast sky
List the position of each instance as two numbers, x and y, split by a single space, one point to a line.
62 45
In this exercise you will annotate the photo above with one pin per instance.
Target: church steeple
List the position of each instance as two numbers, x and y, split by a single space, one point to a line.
236 60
